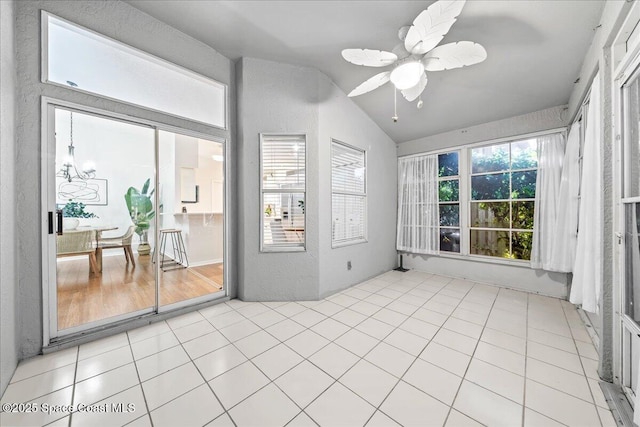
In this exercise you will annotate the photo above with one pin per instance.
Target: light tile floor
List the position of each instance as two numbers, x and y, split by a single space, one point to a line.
400 349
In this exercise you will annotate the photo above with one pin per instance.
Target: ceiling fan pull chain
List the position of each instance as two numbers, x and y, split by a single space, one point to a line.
395 105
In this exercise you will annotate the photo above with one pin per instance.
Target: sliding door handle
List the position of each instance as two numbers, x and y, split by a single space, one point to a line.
59 221
50 218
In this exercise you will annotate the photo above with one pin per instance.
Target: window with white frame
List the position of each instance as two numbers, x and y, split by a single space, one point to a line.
348 194
76 57
449 201
282 191
502 202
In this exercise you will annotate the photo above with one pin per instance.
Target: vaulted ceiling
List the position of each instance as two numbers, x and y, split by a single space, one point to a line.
535 50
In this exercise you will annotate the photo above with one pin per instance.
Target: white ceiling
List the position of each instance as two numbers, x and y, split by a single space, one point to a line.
535 50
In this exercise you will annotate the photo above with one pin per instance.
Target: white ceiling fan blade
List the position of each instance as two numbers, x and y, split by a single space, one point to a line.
371 84
413 93
454 55
369 57
431 25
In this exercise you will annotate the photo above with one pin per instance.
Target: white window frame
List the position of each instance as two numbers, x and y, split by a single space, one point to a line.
464 172
359 239
458 202
509 200
44 67
294 247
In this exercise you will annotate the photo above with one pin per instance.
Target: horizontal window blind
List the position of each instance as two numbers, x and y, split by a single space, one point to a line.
348 217
349 198
283 163
282 160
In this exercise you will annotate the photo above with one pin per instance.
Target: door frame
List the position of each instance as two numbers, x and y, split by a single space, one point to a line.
625 68
47 180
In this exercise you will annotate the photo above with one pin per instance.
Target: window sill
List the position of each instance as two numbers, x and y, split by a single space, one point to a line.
283 249
348 243
479 258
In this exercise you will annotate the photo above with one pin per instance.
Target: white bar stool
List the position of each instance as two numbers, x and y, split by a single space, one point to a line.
179 259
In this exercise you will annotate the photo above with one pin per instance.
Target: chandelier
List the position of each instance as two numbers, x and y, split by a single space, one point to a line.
69 170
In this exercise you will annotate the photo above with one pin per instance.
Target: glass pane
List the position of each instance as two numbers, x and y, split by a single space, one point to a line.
283 162
490 214
347 169
448 164
522 215
490 243
523 185
283 220
348 217
521 242
448 191
631 140
632 261
190 252
490 159
102 256
93 63
450 215
524 154
450 240
490 187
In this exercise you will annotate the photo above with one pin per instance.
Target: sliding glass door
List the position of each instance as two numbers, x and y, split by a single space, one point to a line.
191 237
134 219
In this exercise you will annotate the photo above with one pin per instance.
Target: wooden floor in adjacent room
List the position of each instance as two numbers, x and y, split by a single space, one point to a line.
121 288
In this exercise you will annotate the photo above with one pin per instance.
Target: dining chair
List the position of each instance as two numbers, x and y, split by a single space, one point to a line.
78 243
123 242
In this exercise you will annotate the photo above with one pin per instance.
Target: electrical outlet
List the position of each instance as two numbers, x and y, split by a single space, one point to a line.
348 265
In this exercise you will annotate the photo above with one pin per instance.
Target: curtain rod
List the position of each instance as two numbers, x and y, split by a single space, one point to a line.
488 142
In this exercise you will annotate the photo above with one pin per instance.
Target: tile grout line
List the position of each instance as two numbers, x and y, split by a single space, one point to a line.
583 369
144 396
455 397
181 344
73 390
526 358
336 380
250 360
388 284
426 345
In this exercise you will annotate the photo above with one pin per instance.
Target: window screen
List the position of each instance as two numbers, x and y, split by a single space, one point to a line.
348 194
283 191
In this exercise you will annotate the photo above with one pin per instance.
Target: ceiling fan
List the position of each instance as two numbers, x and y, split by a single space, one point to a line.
418 53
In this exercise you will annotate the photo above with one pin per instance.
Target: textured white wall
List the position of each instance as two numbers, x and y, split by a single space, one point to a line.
510 276
8 279
122 22
549 118
280 98
342 119
275 98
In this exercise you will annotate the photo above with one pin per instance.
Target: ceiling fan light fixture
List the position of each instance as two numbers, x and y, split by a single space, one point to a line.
407 75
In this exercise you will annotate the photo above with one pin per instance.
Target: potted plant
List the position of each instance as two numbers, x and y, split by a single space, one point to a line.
141 211
71 212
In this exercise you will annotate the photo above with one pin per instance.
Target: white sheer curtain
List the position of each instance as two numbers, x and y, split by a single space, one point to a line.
587 269
550 156
563 251
418 205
